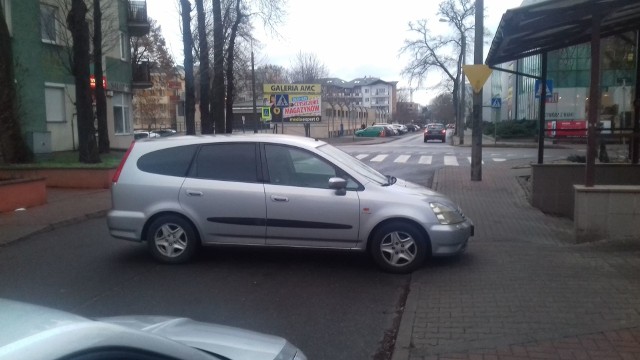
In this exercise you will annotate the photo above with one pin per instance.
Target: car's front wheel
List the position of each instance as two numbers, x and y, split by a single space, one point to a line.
172 239
398 247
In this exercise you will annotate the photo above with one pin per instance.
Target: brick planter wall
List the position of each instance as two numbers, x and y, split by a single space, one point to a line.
22 193
65 178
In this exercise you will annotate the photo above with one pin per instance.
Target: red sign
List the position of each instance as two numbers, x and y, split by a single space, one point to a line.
566 128
92 82
175 85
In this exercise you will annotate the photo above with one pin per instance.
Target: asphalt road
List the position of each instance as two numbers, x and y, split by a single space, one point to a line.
333 305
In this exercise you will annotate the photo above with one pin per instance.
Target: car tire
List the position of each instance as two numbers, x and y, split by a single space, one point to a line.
172 239
398 248
425 140
444 139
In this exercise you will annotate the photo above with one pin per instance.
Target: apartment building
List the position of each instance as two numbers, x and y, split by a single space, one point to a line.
41 46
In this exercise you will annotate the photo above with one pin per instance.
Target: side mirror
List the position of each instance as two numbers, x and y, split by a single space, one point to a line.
339 185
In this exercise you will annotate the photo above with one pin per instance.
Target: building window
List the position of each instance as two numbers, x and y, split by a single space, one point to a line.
123 46
121 114
48 26
54 102
366 99
366 90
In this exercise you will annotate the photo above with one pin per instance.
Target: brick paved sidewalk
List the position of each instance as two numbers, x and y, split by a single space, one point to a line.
522 290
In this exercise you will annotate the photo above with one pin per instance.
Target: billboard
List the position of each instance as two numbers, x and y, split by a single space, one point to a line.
293 103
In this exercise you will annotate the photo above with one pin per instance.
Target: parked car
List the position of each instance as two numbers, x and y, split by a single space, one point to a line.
164 132
435 132
180 192
413 127
31 332
371 131
142 134
400 128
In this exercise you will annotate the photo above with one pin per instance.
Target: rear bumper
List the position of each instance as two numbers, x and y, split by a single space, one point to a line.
126 225
449 240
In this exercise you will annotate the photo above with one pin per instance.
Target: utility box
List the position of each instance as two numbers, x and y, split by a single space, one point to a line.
39 142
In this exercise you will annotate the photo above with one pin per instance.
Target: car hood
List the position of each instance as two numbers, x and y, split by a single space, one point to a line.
229 342
409 188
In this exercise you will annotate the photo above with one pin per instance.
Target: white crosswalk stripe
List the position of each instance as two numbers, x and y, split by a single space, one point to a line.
451 161
361 156
379 158
402 158
469 158
425 159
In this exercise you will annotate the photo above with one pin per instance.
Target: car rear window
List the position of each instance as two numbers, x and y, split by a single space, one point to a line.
436 127
173 161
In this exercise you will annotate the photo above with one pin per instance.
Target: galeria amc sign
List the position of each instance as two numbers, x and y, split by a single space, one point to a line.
292 88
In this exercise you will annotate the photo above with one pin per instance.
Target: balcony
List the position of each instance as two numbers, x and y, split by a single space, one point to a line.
137 20
141 75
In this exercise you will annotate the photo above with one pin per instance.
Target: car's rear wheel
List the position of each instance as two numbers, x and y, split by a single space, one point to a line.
398 247
172 239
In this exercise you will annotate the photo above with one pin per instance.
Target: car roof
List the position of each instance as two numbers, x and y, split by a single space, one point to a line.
179 140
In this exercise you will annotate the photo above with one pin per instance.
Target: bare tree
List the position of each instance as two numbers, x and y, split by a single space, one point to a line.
441 53
206 122
441 108
307 68
13 148
239 16
79 28
217 101
189 96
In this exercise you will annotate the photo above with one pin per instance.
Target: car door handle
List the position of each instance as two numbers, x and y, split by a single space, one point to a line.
279 198
194 193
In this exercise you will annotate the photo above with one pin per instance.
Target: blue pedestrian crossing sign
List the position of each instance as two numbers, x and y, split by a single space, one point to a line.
496 102
282 100
538 88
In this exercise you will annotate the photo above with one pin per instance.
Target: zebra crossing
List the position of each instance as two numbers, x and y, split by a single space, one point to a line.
444 159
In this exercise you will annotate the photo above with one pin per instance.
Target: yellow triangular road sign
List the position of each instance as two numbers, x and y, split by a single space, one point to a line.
477 75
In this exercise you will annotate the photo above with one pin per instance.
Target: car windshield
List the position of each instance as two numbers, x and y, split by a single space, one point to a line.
436 126
353 164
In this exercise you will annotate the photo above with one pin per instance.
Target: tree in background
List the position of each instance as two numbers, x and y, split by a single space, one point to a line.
441 53
217 86
206 121
189 91
81 62
99 92
13 148
307 68
441 108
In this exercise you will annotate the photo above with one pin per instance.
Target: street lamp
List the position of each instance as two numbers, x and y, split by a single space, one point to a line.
461 106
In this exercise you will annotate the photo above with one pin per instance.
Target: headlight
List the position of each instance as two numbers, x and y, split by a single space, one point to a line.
446 215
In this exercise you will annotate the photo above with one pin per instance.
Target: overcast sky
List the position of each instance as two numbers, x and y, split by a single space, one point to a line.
353 38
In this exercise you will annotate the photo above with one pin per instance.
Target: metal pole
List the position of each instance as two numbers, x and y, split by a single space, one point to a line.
461 106
476 130
543 108
594 100
635 139
253 92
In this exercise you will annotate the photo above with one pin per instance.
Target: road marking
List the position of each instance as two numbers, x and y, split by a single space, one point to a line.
361 156
469 158
379 158
402 158
499 159
450 161
425 160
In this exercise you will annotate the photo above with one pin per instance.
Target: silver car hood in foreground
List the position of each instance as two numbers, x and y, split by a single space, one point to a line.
230 342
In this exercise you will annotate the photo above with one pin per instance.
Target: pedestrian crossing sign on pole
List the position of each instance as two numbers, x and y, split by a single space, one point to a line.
282 100
496 103
266 113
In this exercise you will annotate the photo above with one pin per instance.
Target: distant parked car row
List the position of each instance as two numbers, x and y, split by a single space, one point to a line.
142 134
384 129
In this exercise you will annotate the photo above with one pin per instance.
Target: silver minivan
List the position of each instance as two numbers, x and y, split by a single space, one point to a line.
181 192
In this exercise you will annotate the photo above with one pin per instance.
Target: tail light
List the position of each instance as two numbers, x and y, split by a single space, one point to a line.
444 131
381 133
116 175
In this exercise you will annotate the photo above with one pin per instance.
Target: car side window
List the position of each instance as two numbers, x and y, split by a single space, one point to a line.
172 161
296 167
227 162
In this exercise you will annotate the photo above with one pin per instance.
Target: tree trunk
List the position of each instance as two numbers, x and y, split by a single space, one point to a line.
189 92
13 148
217 101
206 121
77 22
101 98
230 57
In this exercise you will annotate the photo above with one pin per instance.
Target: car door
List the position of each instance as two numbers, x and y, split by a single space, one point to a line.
224 194
301 209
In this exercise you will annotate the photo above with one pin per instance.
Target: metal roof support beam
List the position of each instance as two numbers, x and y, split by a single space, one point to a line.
543 105
594 102
635 139
515 72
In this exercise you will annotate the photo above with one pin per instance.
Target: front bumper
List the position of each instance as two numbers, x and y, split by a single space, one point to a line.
449 240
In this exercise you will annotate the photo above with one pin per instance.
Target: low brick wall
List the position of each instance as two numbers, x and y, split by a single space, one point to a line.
65 177
22 193
606 212
552 184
